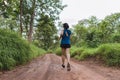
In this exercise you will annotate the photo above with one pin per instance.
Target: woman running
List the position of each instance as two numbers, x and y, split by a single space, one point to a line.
65 45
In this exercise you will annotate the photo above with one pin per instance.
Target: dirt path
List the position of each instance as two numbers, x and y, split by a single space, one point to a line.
49 67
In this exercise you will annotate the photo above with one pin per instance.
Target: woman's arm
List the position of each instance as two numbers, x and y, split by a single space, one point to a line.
61 34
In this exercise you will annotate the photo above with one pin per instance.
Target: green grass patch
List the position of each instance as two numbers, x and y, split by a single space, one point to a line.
15 51
36 51
58 51
107 53
110 53
88 53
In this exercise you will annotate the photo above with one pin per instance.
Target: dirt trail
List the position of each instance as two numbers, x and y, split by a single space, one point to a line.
49 67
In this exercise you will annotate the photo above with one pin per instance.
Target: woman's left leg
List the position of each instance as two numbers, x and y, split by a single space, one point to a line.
68 54
68 58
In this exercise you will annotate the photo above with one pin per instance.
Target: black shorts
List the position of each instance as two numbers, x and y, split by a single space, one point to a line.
65 45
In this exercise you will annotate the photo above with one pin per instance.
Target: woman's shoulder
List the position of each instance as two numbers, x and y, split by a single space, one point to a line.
69 31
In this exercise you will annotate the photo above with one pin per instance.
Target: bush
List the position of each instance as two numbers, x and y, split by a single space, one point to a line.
88 53
9 63
76 51
58 51
83 53
107 53
110 53
1 66
14 50
72 51
36 51
50 51
116 38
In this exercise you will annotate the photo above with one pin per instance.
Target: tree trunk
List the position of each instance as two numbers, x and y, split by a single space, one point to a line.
21 14
31 23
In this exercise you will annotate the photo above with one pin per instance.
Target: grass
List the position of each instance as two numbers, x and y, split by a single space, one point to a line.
107 53
110 53
15 51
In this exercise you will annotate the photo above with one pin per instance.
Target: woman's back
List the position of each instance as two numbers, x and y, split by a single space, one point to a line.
66 37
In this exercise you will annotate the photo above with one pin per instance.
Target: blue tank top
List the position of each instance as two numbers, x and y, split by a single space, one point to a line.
66 37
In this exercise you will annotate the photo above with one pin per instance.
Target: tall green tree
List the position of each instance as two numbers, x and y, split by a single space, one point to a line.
9 14
85 31
21 14
45 32
26 13
98 31
52 8
32 21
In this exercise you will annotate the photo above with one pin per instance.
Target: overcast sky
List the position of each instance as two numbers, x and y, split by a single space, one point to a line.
82 9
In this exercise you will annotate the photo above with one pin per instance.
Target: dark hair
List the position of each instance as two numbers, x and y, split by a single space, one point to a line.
65 25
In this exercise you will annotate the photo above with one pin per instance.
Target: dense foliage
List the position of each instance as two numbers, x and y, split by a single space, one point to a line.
93 32
109 54
45 32
35 20
98 39
25 16
14 50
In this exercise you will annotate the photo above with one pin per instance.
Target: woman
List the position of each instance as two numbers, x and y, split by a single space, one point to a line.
65 45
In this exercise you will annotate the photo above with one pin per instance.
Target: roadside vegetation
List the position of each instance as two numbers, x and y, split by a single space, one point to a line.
97 39
15 51
28 30
109 54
